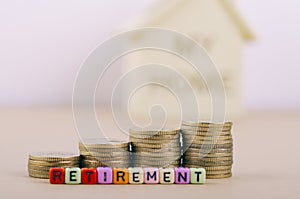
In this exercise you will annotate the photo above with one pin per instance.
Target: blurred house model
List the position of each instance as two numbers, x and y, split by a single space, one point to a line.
217 26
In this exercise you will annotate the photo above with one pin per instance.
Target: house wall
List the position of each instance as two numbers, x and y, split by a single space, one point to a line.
208 23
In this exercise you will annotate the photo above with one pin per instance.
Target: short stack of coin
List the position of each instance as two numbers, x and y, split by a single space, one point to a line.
208 145
103 152
39 164
156 148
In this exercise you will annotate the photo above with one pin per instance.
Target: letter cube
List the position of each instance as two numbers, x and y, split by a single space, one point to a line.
198 175
120 176
105 175
57 175
89 176
136 175
182 175
72 176
151 175
166 175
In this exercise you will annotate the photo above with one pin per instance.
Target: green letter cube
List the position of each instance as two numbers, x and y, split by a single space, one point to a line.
166 176
198 175
72 176
136 175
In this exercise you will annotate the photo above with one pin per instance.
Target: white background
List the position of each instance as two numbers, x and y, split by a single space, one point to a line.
43 43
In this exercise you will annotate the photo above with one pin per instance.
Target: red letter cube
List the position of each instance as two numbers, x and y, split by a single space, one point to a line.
89 176
57 175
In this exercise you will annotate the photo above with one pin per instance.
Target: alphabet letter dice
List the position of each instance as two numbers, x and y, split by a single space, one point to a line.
198 175
182 175
121 176
166 176
57 175
72 175
136 175
105 175
151 175
89 176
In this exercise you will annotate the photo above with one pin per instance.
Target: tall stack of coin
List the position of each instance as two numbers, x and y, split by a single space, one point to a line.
102 152
151 148
39 164
210 146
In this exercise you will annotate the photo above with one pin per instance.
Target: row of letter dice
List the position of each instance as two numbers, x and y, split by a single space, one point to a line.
107 175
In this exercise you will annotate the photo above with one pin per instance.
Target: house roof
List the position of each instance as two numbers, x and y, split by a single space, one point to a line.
159 11
237 19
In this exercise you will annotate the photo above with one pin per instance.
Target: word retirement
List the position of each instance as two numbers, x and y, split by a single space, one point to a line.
107 175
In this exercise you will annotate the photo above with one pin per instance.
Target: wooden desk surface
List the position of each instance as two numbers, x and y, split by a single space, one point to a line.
266 159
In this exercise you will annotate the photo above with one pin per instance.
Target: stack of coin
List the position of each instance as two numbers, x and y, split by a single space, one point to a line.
151 148
208 145
39 164
103 152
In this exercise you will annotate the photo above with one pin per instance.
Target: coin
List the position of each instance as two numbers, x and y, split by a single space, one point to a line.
155 137
205 135
43 163
218 142
91 162
37 170
38 175
158 150
156 155
105 152
208 163
53 156
120 154
154 142
159 166
165 165
214 159
206 124
209 155
206 151
211 146
42 167
157 162
104 143
219 176
208 130
156 146
206 138
149 159
218 172
218 168
154 132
